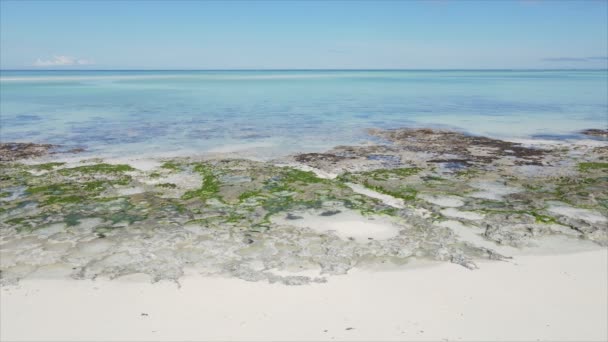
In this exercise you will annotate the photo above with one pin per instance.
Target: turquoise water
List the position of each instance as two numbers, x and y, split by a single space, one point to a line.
277 112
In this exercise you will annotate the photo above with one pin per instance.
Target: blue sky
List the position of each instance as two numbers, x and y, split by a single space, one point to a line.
297 34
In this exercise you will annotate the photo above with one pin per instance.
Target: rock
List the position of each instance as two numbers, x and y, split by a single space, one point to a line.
596 132
330 212
291 216
16 151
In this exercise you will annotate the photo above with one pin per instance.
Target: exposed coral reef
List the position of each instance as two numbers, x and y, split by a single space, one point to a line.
418 193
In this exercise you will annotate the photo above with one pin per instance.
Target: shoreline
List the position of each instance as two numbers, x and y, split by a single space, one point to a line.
268 151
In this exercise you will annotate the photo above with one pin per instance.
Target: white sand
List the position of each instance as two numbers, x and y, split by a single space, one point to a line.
443 201
130 191
473 235
578 213
386 199
492 190
558 297
347 224
468 215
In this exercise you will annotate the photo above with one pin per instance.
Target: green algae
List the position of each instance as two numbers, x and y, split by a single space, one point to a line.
66 195
47 166
274 186
285 180
277 205
584 167
71 192
267 191
125 216
169 165
16 220
249 194
178 207
405 193
467 173
210 187
101 168
387 181
94 186
242 197
295 175
71 199
232 218
578 191
53 189
72 219
543 218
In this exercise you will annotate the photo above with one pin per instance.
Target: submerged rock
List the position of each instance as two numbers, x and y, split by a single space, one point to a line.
12 151
15 151
596 132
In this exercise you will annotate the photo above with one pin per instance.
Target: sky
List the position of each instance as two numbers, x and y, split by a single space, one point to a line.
437 34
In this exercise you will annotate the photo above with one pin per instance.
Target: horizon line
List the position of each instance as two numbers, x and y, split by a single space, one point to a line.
324 69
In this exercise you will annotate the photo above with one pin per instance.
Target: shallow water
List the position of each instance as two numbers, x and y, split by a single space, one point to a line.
269 113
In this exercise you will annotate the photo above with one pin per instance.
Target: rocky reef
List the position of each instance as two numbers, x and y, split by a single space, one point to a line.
16 151
416 193
596 132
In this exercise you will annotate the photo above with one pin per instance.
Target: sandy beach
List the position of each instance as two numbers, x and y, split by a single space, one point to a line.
530 298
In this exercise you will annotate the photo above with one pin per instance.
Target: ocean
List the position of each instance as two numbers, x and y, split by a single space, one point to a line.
272 113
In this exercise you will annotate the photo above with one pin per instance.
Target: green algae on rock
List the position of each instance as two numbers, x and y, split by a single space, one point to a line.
253 220
592 166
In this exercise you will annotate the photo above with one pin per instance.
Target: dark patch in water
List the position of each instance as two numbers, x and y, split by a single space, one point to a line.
28 117
558 136
452 164
388 161
456 166
385 158
252 136
312 157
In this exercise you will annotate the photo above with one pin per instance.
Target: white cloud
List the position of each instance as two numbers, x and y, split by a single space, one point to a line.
62 61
